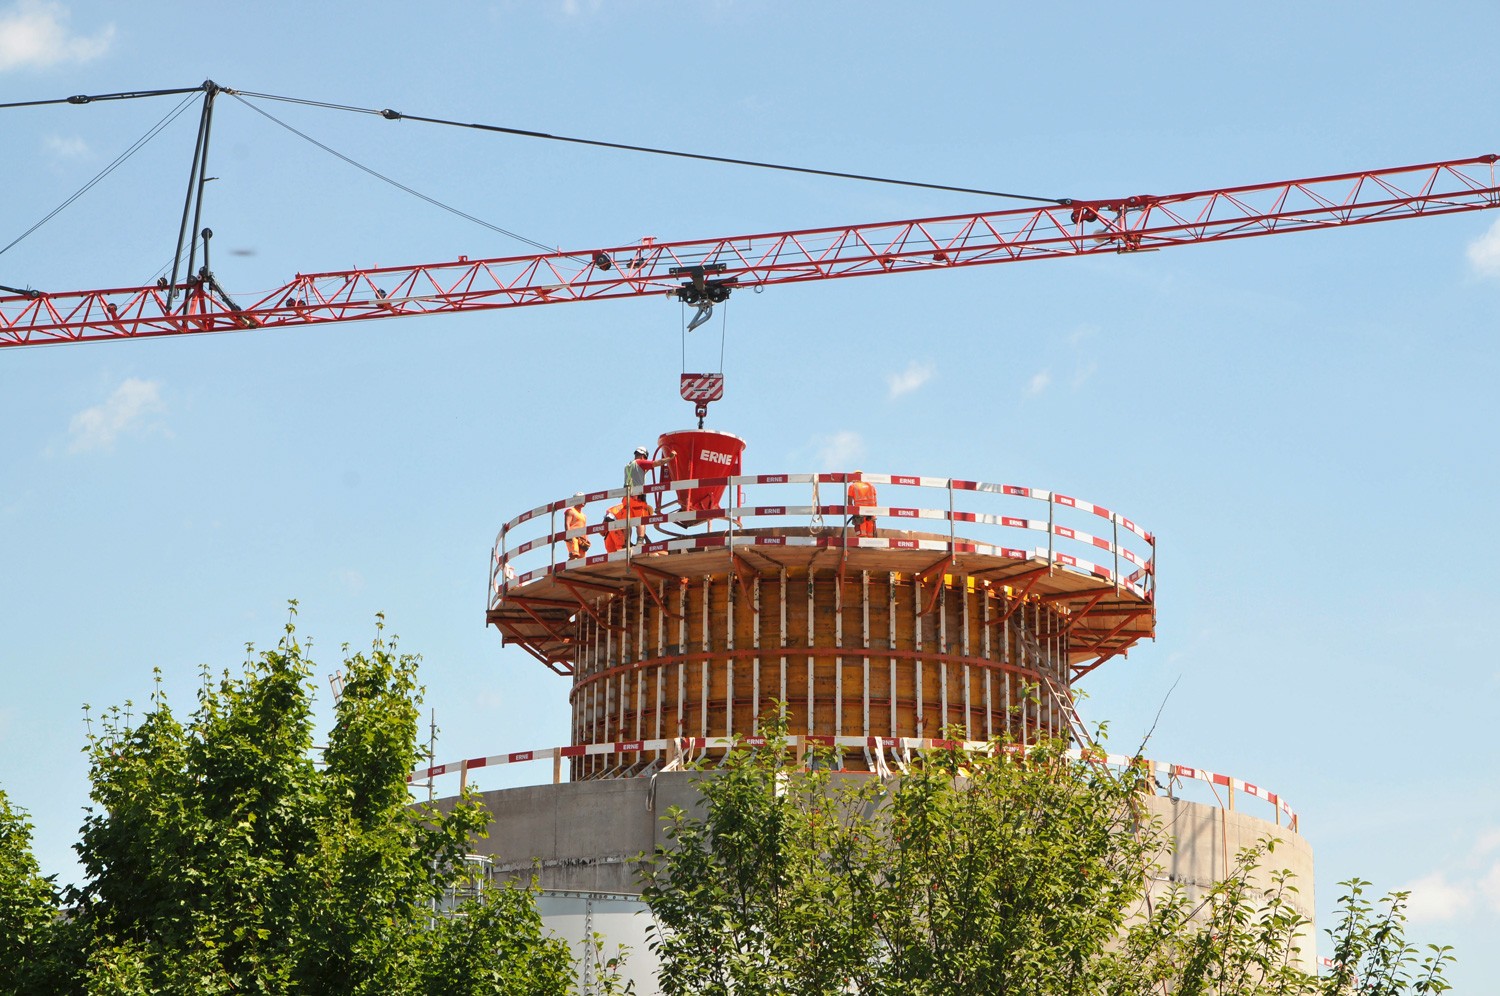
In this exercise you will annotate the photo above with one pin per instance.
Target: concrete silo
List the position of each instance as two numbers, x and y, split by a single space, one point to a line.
946 607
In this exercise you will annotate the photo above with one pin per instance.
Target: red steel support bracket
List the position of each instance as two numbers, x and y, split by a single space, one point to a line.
1017 599
646 574
741 567
1078 614
934 571
583 603
552 631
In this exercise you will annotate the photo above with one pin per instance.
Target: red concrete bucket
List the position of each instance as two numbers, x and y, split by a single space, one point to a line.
698 454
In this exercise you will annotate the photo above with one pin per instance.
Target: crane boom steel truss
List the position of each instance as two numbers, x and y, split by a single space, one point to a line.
1073 228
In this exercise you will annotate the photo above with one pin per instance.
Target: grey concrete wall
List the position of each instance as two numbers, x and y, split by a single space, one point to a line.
1209 840
582 836
585 837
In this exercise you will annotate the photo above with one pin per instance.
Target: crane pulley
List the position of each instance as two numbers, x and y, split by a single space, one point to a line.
704 272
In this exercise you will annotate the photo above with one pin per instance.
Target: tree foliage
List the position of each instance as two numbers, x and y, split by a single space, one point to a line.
222 856
28 904
1002 871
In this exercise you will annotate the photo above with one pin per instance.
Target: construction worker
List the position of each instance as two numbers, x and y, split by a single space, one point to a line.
861 495
632 511
573 518
635 470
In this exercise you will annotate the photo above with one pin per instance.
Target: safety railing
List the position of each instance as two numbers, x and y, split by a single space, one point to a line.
790 510
679 752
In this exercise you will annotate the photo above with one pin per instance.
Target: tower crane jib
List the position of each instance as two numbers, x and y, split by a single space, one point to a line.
704 272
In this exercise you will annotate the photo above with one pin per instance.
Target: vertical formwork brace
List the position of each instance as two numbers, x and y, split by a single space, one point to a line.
1023 649
661 669
1010 702
1054 665
705 646
608 622
940 595
916 638
987 596
640 673
964 649
811 615
864 603
755 639
731 591
624 701
838 657
682 649
890 641
781 593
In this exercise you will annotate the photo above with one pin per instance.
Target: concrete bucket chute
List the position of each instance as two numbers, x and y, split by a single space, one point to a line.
699 454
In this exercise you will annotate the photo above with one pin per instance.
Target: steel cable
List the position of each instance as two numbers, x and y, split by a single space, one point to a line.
134 148
391 115
381 176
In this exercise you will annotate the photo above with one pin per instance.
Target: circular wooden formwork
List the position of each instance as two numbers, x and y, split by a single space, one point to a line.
847 641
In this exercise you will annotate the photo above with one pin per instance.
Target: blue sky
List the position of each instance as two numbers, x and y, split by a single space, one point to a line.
1306 421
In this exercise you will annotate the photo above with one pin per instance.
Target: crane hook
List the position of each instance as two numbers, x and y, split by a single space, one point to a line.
704 313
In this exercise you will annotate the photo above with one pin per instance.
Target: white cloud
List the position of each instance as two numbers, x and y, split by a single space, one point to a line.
34 34
840 451
1039 382
914 376
1434 897
1484 252
1487 842
131 404
1081 334
1489 887
1468 885
65 148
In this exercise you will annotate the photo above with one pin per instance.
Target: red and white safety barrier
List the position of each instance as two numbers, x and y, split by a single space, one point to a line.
899 747
825 524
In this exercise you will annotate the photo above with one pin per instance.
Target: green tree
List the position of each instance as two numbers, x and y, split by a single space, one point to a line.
997 871
221 857
28 906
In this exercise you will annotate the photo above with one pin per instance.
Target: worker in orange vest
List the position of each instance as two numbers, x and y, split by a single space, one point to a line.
861 495
573 518
632 511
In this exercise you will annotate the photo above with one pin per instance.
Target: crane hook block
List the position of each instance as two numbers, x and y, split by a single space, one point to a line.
700 290
701 388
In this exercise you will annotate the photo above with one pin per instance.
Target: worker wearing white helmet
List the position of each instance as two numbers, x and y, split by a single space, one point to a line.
635 470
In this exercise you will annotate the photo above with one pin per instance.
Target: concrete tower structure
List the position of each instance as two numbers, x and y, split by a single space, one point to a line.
933 608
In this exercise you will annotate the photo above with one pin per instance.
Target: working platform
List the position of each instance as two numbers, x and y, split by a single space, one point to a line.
881 631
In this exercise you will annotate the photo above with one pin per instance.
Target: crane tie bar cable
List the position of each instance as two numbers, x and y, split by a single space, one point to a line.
83 98
237 95
139 143
391 115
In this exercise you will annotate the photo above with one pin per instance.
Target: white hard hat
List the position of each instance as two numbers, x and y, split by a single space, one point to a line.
642 451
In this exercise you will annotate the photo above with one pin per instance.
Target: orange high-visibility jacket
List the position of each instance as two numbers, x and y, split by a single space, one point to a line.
631 508
861 493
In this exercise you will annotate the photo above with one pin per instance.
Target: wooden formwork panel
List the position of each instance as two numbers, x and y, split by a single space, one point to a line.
867 653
